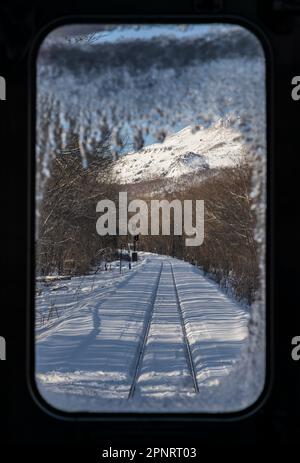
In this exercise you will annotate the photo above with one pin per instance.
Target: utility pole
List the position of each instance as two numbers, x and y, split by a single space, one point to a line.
121 259
134 254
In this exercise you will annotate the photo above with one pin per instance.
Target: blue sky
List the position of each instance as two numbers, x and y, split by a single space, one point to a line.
119 33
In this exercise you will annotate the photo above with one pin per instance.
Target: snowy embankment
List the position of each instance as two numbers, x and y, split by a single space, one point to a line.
87 360
60 298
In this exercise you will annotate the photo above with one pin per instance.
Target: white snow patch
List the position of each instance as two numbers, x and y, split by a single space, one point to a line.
187 151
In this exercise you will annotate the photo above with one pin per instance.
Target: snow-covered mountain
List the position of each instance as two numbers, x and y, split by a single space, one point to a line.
191 150
143 85
138 89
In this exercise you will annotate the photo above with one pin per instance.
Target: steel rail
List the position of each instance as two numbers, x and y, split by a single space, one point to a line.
145 337
189 356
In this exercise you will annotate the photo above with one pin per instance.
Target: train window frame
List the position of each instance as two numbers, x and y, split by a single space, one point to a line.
268 233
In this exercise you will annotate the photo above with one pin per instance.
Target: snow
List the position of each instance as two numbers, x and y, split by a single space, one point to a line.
114 33
153 97
165 370
87 361
185 152
216 79
73 294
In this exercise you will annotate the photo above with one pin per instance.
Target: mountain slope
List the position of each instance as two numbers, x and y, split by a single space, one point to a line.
188 151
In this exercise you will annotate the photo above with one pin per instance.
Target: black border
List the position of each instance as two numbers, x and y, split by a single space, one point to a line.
260 34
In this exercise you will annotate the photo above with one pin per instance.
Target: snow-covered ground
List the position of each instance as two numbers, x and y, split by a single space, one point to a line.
188 151
86 360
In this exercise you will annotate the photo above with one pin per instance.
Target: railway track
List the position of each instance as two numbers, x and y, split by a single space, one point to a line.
190 361
176 310
145 337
